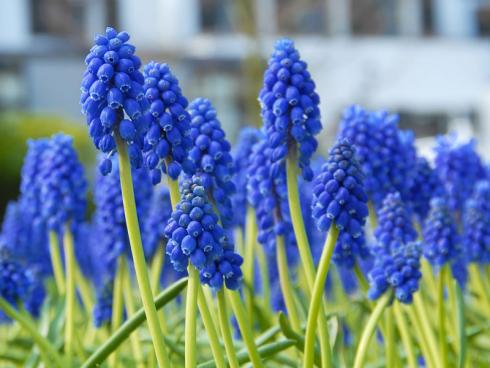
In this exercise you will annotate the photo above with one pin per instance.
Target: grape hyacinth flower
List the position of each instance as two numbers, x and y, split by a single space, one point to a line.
102 312
62 184
113 98
211 158
385 153
425 185
394 225
14 282
290 106
167 141
476 224
459 168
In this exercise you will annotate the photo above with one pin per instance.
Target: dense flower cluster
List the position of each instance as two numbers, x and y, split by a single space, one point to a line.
112 86
441 239
167 142
399 270
267 194
241 157
211 157
62 184
385 153
459 168
289 106
195 235
394 225
424 186
14 281
158 216
476 224
339 199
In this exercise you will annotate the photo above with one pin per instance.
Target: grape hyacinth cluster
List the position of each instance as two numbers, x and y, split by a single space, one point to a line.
441 238
386 154
398 270
476 224
167 141
289 106
14 281
459 168
395 226
195 235
211 157
339 200
112 89
425 185
62 184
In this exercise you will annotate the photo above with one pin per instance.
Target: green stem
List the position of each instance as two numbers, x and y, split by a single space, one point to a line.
248 262
245 327
226 330
426 327
191 317
57 264
304 248
40 341
156 267
264 275
441 317
84 289
405 335
117 303
317 297
173 187
285 283
390 338
70 291
461 324
383 302
131 324
138 255
423 340
131 309
479 287
216 348
360 278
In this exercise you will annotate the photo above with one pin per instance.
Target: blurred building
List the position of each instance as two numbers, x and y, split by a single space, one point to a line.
428 60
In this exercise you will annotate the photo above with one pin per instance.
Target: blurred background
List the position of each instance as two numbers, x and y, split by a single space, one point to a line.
427 60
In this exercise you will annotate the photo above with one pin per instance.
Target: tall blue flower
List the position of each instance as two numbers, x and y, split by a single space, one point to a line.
386 154
339 200
441 238
211 157
167 142
195 235
394 225
113 98
290 106
425 185
14 281
62 184
241 156
459 168
476 224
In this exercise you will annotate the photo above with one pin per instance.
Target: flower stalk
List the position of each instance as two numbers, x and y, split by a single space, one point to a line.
70 291
56 262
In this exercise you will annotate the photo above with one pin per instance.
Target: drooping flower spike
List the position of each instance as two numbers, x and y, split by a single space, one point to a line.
459 168
476 224
385 153
211 157
339 200
167 142
195 235
62 184
289 105
113 98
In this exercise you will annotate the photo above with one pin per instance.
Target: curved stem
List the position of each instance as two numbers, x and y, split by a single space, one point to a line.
191 318
56 262
156 268
285 283
129 302
426 327
390 338
422 338
248 262
304 247
405 335
70 291
369 330
317 296
117 303
84 289
226 330
216 348
245 328
40 341
131 324
138 255
360 278
441 317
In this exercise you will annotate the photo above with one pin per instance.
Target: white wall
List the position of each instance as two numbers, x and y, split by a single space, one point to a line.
14 25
